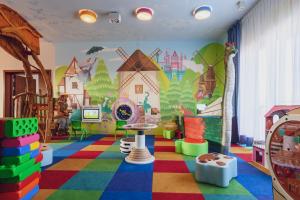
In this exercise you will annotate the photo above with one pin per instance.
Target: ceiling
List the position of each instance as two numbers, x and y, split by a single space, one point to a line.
58 22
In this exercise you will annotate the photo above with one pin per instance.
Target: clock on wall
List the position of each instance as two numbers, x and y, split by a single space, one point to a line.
124 109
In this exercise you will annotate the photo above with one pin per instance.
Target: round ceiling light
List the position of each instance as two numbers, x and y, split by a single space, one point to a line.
202 12
144 13
88 16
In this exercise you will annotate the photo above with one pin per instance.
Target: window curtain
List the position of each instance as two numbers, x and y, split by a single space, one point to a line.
269 62
234 36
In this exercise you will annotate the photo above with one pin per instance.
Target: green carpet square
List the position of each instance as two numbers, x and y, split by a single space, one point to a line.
114 148
103 165
234 188
75 195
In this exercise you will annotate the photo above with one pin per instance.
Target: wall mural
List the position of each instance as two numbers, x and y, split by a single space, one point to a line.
152 88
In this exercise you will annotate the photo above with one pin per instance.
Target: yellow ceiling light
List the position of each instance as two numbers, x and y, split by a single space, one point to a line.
88 16
144 13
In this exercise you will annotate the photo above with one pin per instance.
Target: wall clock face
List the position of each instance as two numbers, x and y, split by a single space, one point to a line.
124 112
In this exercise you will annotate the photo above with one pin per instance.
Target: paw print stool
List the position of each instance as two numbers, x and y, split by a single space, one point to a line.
215 168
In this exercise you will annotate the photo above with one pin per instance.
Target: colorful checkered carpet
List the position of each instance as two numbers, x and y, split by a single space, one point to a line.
95 169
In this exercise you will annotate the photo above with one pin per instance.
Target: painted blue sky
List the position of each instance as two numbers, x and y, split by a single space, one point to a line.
66 51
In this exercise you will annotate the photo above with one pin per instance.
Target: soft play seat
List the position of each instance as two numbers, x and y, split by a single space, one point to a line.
215 168
189 148
14 170
47 152
15 160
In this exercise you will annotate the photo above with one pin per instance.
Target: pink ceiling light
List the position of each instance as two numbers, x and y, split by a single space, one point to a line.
144 13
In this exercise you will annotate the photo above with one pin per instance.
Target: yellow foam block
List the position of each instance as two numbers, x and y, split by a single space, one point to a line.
34 145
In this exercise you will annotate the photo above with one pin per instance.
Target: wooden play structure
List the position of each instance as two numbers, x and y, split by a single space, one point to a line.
21 40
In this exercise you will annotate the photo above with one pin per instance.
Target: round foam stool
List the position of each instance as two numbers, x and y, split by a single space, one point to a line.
47 152
194 149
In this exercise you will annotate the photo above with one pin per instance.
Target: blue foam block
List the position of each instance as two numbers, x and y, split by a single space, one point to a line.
34 153
15 151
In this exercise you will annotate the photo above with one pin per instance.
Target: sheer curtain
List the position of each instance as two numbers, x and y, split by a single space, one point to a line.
269 62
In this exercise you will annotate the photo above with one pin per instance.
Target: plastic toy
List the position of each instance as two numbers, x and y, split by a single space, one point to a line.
14 170
34 146
215 168
21 193
20 141
23 175
15 151
12 187
284 162
18 127
15 160
34 153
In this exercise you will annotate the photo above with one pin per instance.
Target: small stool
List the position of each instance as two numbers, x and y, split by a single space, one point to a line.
215 168
47 152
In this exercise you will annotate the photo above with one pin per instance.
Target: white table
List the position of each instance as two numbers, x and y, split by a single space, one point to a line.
139 153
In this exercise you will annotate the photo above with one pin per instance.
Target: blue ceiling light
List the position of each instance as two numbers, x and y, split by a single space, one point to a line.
202 12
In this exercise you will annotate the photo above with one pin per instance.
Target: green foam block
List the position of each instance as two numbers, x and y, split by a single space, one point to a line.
8 171
23 175
15 160
178 145
168 134
20 126
194 149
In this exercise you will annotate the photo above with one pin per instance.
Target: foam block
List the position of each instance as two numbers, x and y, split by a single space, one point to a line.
17 127
31 194
34 145
39 158
218 172
15 151
21 193
13 187
20 141
23 175
34 153
14 170
14 160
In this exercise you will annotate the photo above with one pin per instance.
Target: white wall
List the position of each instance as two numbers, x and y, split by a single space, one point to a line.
7 62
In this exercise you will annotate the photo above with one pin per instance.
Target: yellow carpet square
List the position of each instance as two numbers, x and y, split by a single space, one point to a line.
96 148
174 183
164 143
71 164
240 150
43 194
167 156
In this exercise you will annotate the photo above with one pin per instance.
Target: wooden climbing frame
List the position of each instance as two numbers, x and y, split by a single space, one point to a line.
21 40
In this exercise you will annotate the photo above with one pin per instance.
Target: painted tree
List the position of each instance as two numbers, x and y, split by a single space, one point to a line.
187 98
173 96
101 85
165 108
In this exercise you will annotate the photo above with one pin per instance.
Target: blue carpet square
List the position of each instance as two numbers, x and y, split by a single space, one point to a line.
88 181
126 196
191 165
64 152
258 184
127 167
131 181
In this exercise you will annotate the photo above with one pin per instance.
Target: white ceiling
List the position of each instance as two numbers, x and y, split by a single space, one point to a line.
57 21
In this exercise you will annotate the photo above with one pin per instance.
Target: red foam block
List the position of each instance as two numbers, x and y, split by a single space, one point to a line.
13 187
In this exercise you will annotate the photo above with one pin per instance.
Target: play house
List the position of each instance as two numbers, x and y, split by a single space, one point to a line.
142 100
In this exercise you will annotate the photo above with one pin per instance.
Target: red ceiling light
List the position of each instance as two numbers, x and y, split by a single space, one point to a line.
144 13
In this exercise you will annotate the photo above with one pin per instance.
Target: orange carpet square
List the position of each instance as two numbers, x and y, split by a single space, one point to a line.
167 156
175 183
240 150
43 194
96 148
70 164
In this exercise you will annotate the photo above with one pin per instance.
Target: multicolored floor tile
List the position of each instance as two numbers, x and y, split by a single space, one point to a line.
95 169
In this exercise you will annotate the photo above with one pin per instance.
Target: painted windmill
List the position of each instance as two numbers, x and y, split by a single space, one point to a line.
138 80
207 80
